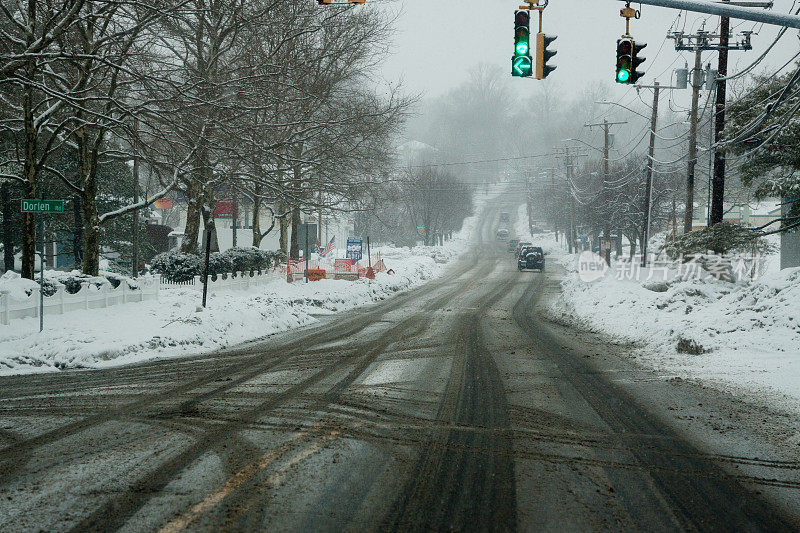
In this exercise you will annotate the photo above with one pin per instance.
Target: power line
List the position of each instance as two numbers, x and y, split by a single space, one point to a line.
498 160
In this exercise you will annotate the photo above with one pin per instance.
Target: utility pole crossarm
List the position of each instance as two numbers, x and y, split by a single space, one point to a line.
728 10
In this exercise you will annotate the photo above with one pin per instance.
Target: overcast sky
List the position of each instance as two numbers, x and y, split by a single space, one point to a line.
438 41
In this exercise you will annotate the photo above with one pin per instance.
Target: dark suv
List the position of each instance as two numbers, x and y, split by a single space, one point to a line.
531 258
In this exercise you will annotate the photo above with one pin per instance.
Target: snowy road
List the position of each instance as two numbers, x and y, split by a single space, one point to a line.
453 406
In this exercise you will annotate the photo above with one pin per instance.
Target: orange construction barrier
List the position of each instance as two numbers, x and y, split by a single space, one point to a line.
316 275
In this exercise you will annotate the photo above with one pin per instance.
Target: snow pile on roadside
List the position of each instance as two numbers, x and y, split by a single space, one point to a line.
172 326
745 335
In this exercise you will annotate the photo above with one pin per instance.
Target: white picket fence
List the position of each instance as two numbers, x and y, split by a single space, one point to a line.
242 281
88 297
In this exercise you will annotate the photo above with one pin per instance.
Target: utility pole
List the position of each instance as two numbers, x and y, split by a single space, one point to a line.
573 234
605 200
696 79
648 194
703 42
569 158
711 148
718 182
553 193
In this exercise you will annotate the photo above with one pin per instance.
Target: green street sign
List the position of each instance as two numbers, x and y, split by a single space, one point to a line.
42 206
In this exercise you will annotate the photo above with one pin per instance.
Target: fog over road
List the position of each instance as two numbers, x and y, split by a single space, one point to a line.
455 406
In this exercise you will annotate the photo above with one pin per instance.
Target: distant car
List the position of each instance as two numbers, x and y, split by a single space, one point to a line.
531 258
512 245
502 234
520 246
505 217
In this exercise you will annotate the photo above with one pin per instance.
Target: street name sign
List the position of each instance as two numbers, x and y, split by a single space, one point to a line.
42 206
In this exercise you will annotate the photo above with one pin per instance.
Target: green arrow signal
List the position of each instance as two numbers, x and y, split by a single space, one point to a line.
522 66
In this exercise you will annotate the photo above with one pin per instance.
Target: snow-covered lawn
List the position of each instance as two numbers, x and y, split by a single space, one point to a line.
173 327
741 337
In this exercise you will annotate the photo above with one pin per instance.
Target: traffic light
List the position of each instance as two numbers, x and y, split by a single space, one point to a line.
543 55
624 60
628 60
637 60
522 63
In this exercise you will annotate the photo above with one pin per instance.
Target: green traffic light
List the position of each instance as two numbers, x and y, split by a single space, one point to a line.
623 76
522 48
522 66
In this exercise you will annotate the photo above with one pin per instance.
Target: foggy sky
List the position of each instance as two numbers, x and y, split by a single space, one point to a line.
438 41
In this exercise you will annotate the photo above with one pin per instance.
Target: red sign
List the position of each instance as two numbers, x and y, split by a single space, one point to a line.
342 265
223 210
163 203
316 275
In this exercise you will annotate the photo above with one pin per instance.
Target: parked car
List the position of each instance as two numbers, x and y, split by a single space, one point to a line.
531 258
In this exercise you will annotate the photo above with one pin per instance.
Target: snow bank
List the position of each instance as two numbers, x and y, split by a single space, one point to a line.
172 326
740 337
743 337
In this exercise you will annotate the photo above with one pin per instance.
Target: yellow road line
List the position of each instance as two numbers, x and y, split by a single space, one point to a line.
211 500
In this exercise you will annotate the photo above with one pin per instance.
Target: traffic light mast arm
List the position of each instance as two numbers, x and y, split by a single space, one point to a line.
536 5
628 13
727 10
343 2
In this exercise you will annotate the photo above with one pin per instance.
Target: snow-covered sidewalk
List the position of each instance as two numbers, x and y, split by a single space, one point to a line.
739 337
173 327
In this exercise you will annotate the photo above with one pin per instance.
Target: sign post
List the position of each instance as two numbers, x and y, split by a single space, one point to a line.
305 252
41 207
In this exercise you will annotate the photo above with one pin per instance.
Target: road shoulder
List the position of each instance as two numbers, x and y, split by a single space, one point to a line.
753 441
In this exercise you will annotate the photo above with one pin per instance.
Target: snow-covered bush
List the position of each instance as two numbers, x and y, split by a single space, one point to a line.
275 258
251 259
117 279
719 239
218 264
74 280
50 286
177 266
11 283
